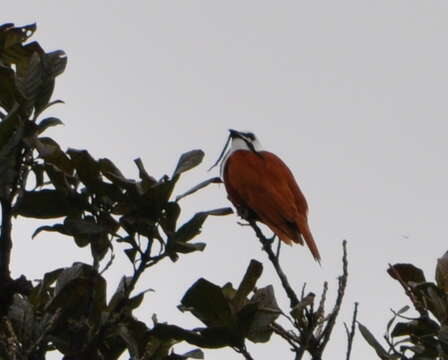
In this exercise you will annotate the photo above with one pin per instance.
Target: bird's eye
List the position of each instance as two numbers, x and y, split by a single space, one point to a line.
250 136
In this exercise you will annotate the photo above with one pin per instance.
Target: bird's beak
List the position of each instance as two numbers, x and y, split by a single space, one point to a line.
234 133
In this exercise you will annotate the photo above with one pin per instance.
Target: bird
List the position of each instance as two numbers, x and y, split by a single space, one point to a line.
262 188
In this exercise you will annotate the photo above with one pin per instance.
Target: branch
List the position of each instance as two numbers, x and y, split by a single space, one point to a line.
5 240
325 336
267 246
351 332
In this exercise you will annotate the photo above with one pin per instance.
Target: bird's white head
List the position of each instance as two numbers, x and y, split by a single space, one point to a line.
244 141
240 141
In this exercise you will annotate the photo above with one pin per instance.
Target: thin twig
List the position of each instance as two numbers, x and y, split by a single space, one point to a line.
243 351
267 246
286 335
351 332
325 336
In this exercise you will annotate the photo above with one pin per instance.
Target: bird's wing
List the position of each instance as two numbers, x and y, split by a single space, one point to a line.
264 184
260 182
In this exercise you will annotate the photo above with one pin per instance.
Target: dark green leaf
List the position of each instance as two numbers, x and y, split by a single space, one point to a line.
367 335
194 354
48 122
193 227
80 290
207 302
7 88
247 285
46 204
266 312
188 161
130 253
186 248
21 315
60 228
50 151
99 244
442 272
215 180
87 168
121 294
147 180
407 273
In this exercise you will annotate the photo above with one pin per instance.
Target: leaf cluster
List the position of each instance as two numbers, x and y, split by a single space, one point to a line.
420 337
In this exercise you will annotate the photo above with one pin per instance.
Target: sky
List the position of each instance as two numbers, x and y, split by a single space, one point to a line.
350 94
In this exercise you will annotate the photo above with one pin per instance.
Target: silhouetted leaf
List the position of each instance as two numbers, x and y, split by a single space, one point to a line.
21 315
121 294
418 327
442 272
247 285
147 180
99 244
60 228
367 335
188 161
207 302
50 151
48 122
193 227
79 290
87 168
169 220
435 300
267 311
7 88
46 204
407 273
135 334
215 180
193 354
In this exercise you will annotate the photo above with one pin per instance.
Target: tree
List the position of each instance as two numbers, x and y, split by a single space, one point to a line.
98 206
424 335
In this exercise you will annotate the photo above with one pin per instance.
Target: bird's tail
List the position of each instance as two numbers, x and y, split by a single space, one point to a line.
309 239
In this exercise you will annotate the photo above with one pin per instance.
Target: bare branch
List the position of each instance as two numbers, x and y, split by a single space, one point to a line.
351 332
267 246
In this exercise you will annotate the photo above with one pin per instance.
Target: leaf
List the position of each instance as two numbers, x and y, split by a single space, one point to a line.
80 291
266 312
419 327
136 336
193 354
21 315
435 299
7 88
206 301
50 151
247 285
169 218
46 204
442 272
99 244
188 161
87 168
367 335
48 122
203 184
60 228
121 294
147 180
408 273
193 227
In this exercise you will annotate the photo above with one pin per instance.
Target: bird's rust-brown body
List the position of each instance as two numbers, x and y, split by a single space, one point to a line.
259 183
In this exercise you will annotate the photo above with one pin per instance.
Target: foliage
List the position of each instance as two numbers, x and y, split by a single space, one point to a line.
424 336
98 207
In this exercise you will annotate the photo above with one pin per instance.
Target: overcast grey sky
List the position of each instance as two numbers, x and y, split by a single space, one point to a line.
351 94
